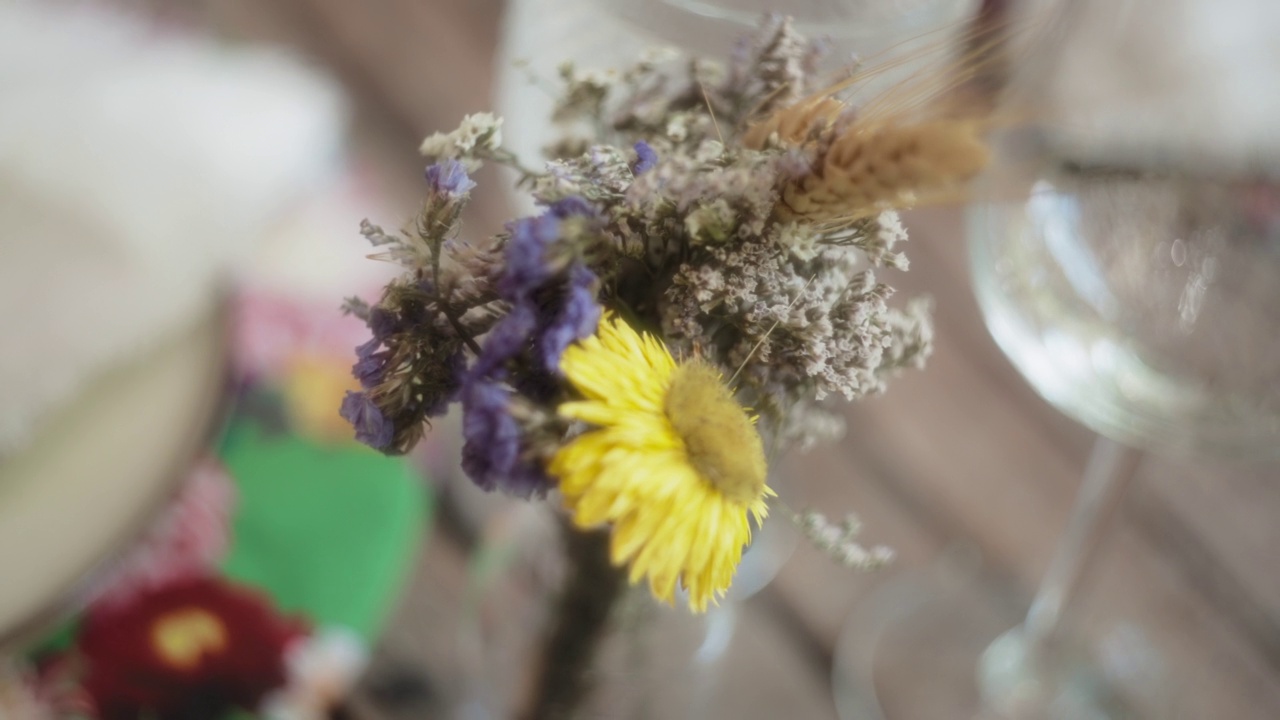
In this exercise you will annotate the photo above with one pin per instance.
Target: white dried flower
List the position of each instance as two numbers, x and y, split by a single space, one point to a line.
808 422
712 222
709 150
585 92
802 240
601 174
678 127
911 333
659 55
838 542
800 328
478 134
777 65
880 237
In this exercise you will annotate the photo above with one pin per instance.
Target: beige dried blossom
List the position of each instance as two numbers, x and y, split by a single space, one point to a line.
585 92
477 134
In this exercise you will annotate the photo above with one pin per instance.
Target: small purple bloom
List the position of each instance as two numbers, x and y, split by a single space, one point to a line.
449 178
571 206
577 317
526 266
552 304
506 339
371 426
491 453
370 364
646 158
366 350
383 324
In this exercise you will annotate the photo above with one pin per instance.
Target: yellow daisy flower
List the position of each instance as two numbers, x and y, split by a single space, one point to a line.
674 463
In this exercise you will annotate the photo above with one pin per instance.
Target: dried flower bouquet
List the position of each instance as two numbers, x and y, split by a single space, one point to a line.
700 284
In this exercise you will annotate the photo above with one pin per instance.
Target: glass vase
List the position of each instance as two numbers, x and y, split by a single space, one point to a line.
645 659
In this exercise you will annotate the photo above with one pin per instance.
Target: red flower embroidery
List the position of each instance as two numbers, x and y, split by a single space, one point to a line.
195 648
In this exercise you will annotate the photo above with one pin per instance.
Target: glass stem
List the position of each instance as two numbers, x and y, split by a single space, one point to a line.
1110 469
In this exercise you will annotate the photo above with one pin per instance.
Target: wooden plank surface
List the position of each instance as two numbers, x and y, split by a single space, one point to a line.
962 454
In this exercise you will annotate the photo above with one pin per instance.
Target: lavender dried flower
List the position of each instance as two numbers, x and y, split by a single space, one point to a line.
495 455
448 179
370 424
411 370
646 158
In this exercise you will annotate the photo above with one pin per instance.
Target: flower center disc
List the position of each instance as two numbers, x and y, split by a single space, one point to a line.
181 638
721 441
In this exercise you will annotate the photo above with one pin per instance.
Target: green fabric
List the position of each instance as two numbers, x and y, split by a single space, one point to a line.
330 531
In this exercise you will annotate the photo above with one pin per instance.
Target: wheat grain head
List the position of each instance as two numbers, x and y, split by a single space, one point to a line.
869 168
796 124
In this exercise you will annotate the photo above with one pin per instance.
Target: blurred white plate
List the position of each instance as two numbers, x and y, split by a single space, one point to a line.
100 470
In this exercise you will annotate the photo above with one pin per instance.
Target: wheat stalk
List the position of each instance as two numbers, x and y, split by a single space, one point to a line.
795 124
920 141
867 168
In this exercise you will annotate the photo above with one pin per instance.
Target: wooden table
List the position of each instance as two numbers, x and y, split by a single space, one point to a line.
961 454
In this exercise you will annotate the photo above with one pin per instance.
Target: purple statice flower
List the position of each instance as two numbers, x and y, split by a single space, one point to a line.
529 262
506 340
527 266
549 308
449 179
371 364
372 357
382 323
571 206
646 158
491 453
576 317
552 303
370 424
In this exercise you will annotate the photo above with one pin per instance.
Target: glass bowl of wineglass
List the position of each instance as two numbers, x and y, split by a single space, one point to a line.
1125 254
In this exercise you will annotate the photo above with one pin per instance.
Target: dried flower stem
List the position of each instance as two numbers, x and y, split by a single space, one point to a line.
582 615
506 158
456 324
837 540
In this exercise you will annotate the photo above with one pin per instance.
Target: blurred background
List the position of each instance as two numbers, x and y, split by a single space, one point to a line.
205 325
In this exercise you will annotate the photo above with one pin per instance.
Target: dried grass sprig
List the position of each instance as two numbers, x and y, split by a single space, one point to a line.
919 142
866 169
796 124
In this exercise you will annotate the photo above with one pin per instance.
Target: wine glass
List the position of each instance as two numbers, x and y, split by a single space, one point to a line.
850 26
1127 261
